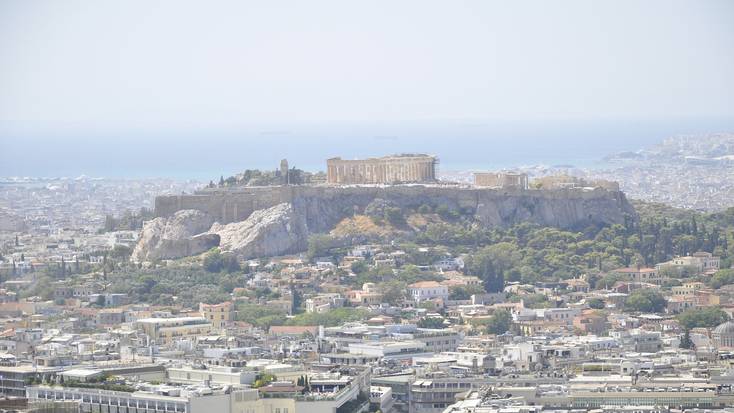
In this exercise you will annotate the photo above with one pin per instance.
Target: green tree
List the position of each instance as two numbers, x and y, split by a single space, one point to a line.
685 341
393 291
100 300
721 278
492 262
433 322
213 261
319 245
596 303
260 316
263 379
464 292
500 322
394 216
707 317
646 300
334 317
359 267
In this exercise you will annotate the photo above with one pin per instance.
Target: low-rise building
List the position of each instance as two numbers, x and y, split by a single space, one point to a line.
167 330
428 290
640 275
219 315
322 303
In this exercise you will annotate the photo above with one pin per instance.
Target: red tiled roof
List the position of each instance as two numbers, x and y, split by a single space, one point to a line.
293 330
633 270
425 284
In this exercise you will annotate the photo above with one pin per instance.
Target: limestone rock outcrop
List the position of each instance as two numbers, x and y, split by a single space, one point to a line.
181 235
271 221
277 230
324 207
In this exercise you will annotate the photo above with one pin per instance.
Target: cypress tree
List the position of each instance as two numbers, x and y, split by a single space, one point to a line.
686 341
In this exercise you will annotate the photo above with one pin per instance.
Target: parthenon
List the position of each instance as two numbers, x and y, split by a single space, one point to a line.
406 168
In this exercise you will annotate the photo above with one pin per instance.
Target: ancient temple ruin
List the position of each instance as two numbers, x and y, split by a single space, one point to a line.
395 169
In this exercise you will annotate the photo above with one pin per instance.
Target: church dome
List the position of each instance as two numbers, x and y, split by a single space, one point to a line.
723 335
725 328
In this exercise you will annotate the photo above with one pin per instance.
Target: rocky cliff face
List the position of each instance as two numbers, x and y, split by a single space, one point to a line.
178 236
568 209
263 222
277 230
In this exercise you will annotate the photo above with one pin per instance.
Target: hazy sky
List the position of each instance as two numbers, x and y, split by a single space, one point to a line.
157 62
199 88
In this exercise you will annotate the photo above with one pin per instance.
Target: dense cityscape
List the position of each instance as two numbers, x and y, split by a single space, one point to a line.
163 296
411 206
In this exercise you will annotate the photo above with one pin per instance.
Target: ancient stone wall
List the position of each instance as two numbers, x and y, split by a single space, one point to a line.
504 180
568 181
226 206
324 206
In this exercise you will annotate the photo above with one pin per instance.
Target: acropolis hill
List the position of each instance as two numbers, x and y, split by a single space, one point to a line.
324 206
273 220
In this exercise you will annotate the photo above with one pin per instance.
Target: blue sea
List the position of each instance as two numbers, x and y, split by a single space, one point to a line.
206 152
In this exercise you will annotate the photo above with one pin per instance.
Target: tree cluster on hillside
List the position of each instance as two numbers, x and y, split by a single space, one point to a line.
646 300
528 253
525 253
722 277
187 286
707 317
257 177
129 220
500 322
215 261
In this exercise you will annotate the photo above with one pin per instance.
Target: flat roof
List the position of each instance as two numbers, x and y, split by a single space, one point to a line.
155 320
81 372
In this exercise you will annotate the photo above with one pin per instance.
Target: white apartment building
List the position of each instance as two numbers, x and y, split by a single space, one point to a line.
428 290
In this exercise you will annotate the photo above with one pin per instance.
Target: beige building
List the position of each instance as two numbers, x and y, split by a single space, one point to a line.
504 180
395 169
641 275
703 262
367 296
219 315
167 330
687 289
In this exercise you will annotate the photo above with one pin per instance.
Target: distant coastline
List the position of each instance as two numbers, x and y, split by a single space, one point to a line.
205 153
